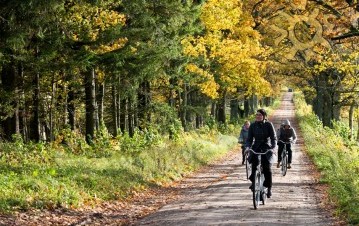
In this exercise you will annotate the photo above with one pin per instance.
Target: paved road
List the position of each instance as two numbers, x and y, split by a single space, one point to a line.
228 201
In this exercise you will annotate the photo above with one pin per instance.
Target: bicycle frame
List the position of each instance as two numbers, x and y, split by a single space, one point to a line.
259 191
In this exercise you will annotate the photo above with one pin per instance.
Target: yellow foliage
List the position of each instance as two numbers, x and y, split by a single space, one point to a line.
231 42
87 21
205 81
117 44
221 15
348 70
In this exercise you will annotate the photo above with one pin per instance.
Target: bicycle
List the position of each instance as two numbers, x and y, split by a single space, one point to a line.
259 191
284 157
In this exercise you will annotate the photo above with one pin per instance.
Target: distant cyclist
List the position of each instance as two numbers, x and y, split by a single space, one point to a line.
243 137
287 134
262 137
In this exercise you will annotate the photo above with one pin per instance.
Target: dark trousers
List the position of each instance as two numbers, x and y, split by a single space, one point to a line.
267 171
280 150
243 156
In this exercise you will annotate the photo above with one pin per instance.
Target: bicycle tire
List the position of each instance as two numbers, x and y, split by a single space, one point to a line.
247 167
264 196
256 189
284 162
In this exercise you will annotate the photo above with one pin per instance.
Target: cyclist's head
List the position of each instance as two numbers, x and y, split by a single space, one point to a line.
247 124
261 113
286 123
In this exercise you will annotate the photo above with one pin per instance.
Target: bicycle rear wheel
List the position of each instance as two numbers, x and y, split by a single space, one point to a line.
256 189
284 162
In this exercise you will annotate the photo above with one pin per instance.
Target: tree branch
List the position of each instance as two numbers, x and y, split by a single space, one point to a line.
254 14
327 6
347 35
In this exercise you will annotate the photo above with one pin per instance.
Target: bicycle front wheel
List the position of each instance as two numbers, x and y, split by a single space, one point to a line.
256 189
284 162
264 196
248 168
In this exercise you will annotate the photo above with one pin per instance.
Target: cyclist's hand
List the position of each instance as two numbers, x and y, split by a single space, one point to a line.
246 151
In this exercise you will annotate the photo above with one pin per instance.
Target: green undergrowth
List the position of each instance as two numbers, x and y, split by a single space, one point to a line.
69 173
336 157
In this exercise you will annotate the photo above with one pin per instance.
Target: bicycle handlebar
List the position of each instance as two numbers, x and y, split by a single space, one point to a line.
259 153
290 142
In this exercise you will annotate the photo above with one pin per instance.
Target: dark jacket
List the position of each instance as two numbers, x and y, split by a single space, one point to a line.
261 137
287 135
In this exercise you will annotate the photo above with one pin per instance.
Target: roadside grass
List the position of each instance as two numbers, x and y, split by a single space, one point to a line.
69 173
336 157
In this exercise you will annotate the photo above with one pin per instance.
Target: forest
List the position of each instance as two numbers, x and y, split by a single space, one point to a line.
108 79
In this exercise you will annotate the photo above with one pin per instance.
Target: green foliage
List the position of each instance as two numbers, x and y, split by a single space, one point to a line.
341 129
141 140
165 120
337 162
227 128
71 141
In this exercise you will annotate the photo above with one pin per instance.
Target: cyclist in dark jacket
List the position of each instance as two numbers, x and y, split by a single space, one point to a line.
262 137
287 134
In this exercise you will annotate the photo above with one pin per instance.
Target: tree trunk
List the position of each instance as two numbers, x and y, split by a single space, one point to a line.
234 115
222 109
100 100
144 100
9 83
213 109
124 114
267 101
90 103
51 113
327 109
246 108
183 108
131 116
119 102
325 104
199 121
23 122
253 104
71 107
35 124
318 101
114 109
335 106
189 112
65 106
351 119
172 93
